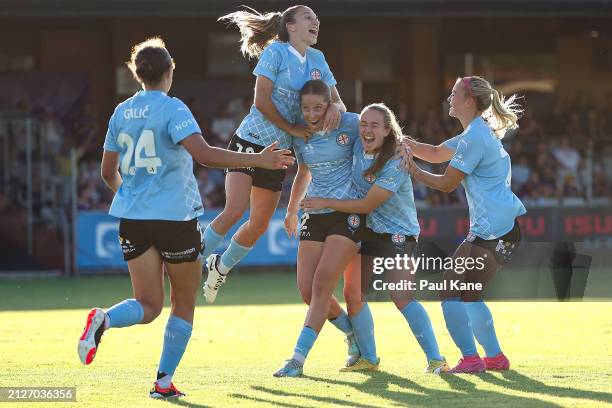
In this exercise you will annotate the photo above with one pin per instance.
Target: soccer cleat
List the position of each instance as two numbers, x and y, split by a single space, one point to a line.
437 366
361 365
353 349
292 368
498 363
90 339
163 393
214 280
469 365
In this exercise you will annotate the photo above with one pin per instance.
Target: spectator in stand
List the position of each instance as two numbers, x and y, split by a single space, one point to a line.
520 173
223 126
567 159
240 107
605 119
51 131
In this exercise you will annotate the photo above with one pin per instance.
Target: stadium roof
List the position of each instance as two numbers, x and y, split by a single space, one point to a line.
327 8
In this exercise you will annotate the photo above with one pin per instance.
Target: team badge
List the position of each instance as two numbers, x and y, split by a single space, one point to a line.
342 139
353 221
370 178
315 74
398 239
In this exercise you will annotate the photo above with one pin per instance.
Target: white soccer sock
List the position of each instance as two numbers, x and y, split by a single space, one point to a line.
165 381
299 357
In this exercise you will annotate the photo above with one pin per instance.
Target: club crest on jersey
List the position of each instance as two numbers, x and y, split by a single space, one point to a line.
342 139
315 74
398 239
370 178
353 221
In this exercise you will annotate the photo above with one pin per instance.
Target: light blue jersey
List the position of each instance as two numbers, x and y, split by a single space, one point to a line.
289 71
158 181
329 156
398 214
480 155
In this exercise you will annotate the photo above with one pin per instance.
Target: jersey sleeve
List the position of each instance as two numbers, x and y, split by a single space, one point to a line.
452 142
391 177
110 141
181 123
327 76
269 62
467 154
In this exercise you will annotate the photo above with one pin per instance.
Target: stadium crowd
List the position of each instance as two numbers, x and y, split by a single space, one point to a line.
554 155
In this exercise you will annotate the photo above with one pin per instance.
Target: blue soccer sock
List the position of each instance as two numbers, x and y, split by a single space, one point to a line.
124 314
482 327
212 240
304 344
421 327
363 327
232 255
342 323
176 337
458 325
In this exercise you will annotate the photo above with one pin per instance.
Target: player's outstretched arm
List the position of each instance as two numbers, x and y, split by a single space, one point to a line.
446 182
269 158
375 197
427 152
110 170
298 190
333 116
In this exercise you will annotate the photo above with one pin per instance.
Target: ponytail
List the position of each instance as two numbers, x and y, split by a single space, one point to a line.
257 30
503 114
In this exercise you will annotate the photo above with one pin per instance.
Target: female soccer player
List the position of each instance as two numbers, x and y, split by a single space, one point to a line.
480 163
392 229
283 43
147 162
324 167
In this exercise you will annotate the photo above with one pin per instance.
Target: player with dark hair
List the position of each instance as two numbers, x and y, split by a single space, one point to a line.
149 149
392 229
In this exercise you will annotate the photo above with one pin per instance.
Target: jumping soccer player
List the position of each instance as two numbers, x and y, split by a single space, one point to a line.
324 167
152 139
283 43
480 163
392 229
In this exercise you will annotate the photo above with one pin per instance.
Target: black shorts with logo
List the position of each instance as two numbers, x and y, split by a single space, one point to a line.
177 241
317 227
502 247
387 245
263 178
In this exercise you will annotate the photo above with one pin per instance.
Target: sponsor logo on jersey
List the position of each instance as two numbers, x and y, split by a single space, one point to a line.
342 139
370 178
315 74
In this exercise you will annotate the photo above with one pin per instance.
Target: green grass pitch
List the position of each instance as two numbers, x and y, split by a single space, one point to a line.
561 353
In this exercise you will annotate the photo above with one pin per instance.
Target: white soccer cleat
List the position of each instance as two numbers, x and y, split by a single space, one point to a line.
90 339
214 279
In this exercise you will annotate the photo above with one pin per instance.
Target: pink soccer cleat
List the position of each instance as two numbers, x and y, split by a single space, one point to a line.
469 365
498 363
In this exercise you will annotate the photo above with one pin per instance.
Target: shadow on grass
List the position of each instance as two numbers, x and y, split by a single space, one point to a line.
520 382
464 393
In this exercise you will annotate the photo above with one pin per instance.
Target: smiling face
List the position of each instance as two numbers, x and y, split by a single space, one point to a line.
372 130
313 109
458 100
305 27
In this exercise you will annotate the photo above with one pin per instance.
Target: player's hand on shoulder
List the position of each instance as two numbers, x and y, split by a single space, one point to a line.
272 158
333 116
291 224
